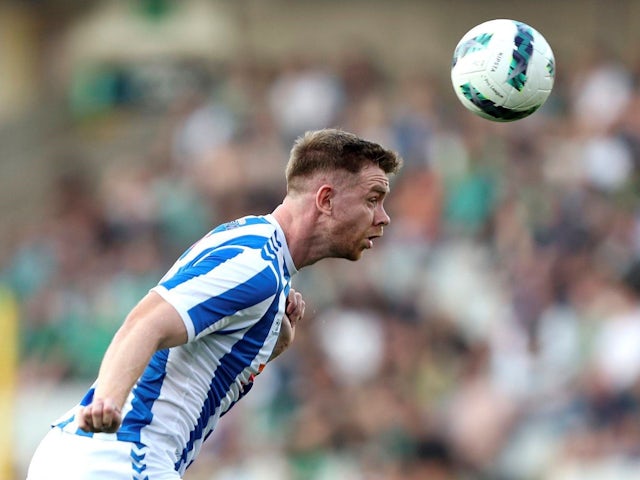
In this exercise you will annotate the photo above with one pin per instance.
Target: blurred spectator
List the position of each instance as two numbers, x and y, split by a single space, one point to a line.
304 97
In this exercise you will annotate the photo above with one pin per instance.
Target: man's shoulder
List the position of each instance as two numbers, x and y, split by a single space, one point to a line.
256 232
251 222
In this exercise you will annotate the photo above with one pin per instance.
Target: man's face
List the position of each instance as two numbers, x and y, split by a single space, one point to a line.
358 215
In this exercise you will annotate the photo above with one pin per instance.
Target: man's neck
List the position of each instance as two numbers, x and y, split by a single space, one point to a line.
300 227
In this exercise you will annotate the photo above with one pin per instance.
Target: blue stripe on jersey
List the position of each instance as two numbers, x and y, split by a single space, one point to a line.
86 400
66 422
255 290
269 246
231 365
201 265
145 393
88 397
187 271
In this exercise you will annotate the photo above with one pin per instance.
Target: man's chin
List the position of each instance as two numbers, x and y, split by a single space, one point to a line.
352 254
355 256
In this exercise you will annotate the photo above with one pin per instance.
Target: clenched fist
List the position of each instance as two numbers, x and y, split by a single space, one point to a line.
100 416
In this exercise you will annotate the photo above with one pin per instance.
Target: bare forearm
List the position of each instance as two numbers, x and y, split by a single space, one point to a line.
152 325
123 363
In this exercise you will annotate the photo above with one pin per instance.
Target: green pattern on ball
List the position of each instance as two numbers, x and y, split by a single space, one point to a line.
522 52
489 108
472 45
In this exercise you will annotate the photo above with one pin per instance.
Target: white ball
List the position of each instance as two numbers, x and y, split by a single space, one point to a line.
503 70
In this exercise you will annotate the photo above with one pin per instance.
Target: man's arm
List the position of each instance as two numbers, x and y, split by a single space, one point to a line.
152 325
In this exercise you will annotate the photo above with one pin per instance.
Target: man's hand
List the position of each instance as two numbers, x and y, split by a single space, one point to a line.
294 312
294 309
100 416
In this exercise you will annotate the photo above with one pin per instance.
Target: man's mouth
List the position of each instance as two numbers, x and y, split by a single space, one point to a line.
371 239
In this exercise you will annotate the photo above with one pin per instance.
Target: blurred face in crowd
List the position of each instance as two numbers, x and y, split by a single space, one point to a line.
356 212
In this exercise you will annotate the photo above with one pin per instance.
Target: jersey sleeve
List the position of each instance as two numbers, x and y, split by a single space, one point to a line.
230 289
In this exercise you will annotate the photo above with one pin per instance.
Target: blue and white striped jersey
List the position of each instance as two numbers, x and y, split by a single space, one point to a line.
230 289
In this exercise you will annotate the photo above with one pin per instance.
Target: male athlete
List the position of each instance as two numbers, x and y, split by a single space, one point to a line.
193 345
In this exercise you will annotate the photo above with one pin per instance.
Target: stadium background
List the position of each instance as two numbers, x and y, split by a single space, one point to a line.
494 332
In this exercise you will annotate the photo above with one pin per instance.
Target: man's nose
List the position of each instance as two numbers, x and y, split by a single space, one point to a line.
382 218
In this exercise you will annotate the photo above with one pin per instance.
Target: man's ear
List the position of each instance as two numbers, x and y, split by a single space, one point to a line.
324 199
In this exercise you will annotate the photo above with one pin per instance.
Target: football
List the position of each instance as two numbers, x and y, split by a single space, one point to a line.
503 70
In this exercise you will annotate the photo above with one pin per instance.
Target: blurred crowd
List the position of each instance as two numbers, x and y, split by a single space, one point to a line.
492 333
